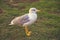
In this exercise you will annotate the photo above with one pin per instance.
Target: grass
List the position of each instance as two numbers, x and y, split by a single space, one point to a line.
47 26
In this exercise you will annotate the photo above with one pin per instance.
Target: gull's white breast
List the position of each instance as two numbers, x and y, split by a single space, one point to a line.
32 16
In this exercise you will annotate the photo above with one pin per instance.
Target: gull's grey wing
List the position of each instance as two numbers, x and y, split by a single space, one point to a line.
21 19
24 19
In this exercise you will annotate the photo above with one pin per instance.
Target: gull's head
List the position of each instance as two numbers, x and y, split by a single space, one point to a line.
33 10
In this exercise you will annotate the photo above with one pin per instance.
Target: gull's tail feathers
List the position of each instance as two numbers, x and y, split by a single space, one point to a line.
11 23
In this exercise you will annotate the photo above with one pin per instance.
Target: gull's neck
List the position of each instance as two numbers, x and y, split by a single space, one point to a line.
32 14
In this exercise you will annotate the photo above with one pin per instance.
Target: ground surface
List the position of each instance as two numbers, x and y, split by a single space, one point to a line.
47 26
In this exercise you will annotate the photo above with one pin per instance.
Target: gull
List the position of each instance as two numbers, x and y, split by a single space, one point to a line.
26 20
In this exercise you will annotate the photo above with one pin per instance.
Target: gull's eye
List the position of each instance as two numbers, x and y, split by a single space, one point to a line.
33 10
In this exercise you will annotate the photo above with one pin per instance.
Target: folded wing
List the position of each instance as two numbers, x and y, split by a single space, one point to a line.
20 20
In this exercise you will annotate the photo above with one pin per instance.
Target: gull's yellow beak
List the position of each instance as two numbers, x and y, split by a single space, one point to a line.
38 10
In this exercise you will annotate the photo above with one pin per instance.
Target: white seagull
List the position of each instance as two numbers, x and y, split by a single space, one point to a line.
26 20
